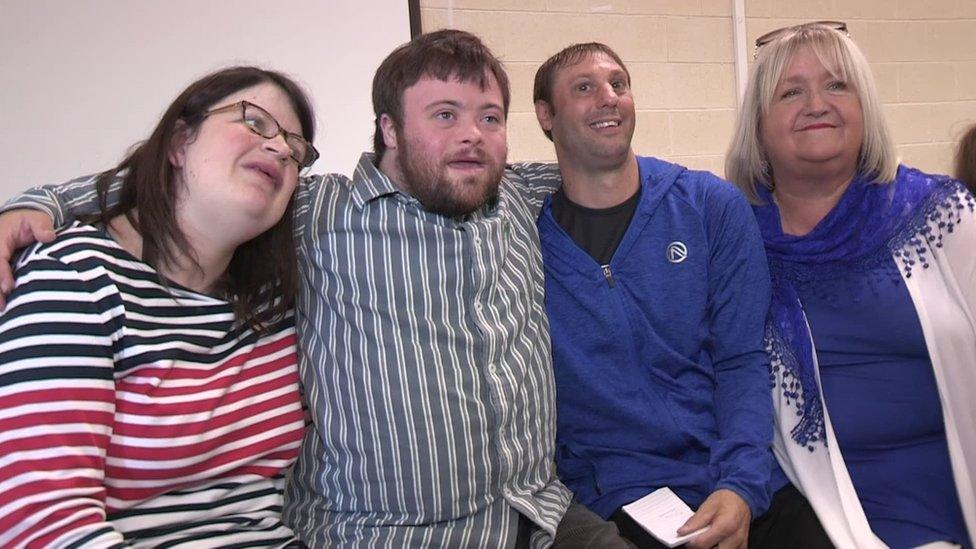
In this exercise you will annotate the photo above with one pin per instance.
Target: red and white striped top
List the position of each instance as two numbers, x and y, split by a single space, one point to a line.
134 414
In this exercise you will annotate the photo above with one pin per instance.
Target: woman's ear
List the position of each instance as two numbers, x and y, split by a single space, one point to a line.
182 135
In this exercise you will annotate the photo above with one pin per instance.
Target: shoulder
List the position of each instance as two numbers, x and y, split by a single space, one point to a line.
318 194
530 171
946 201
82 259
703 190
72 275
533 176
323 184
528 184
914 177
941 224
74 244
714 190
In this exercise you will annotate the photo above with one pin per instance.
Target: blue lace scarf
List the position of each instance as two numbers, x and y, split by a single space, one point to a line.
871 224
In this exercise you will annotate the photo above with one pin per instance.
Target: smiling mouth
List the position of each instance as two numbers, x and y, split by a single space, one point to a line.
605 124
816 127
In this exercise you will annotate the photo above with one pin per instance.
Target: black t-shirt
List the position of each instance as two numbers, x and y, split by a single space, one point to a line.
597 231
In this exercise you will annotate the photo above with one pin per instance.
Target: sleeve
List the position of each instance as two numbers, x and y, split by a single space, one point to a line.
305 198
535 180
66 202
739 290
58 337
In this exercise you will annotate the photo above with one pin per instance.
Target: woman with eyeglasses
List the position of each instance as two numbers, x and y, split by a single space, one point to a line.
149 393
872 328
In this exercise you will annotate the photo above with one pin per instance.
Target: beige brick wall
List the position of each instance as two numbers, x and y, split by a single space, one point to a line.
680 55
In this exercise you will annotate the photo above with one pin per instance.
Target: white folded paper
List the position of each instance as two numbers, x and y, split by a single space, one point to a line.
661 513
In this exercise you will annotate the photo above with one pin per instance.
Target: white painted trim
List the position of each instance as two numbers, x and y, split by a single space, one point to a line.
740 49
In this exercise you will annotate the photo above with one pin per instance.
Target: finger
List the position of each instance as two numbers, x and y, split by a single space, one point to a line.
707 539
7 247
6 284
41 234
35 228
699 520
721 527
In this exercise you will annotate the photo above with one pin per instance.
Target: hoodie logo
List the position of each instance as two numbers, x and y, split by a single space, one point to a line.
677 252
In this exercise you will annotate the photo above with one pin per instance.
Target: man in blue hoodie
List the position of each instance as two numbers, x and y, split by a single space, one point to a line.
657 290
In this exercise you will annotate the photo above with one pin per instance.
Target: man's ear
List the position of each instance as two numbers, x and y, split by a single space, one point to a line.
544 114
182 136
388 127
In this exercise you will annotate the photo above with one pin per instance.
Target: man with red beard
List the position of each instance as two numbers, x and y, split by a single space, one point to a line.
425 345
657 291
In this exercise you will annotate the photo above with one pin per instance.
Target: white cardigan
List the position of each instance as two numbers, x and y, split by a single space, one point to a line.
944 295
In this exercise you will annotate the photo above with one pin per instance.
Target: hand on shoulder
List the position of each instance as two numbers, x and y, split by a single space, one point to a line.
20 228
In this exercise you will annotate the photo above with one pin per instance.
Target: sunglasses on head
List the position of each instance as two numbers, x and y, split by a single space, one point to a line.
772 35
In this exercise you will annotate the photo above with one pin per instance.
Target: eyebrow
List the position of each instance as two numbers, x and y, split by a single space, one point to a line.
459 105
797 78
592 75
793 80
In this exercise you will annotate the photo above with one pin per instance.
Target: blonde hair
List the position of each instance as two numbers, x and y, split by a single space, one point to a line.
745 162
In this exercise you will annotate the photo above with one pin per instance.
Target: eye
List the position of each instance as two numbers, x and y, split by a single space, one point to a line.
444 115
791 92
837 85
583 87
619 85
492 119
258 123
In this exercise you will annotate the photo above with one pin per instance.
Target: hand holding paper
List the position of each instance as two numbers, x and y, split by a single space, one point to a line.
661 513
727 517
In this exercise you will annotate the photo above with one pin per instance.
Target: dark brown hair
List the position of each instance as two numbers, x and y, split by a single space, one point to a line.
443 55
569 56
966 159
262 274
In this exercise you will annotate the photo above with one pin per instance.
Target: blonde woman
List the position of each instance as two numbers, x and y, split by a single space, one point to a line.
871 329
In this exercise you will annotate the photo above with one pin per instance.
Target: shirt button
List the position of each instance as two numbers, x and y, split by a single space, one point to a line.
477 241
491 368
501 430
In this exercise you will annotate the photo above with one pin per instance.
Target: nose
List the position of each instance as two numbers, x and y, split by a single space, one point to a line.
816 104
278 147
470 132
608 96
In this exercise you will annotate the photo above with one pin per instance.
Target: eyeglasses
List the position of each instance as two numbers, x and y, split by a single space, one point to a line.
838 26
262 123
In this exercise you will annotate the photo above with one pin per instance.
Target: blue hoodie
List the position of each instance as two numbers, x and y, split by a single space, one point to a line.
661 375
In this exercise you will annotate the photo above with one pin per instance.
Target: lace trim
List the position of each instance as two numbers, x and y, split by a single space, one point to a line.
784 372
924 233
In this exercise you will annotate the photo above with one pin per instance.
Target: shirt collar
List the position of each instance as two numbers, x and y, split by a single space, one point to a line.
369 183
